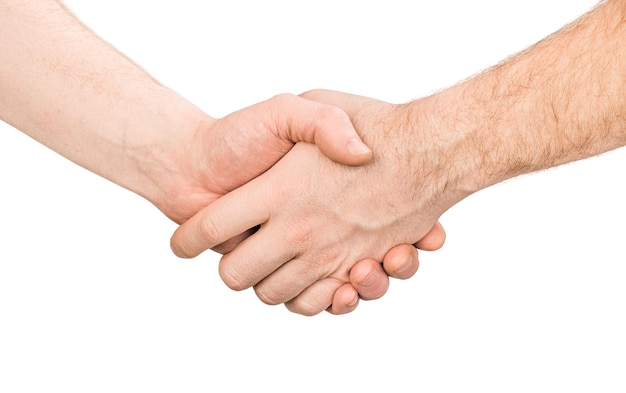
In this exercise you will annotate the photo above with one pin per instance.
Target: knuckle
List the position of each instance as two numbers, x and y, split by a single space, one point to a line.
282 99
329 113
209 232
270 295
304 307
300 237
312 94
233 278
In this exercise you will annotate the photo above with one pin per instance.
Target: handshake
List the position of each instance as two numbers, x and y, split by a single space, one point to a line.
313 200
305 196
308 224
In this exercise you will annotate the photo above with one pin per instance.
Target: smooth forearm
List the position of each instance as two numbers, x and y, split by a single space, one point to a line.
71 91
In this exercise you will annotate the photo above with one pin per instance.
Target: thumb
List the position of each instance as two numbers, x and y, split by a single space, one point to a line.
328 127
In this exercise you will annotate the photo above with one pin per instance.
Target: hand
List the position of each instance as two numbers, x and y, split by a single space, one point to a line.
121 124
309 209
369 280
220 155
226 153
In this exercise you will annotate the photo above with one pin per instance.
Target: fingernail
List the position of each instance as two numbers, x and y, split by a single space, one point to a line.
354 301
406 266
369 280
357 147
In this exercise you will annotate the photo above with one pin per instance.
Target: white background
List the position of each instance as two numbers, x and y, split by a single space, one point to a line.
526 295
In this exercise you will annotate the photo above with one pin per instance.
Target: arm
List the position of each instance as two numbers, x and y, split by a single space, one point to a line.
559 101
71 91
562 100
66 88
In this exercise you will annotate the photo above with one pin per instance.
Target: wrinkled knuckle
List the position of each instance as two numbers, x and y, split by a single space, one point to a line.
269 295
209 232
304 307
232 278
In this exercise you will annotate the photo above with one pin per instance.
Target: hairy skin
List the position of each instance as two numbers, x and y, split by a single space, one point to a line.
559 101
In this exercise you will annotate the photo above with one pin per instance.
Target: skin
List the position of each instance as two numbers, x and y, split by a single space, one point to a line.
66 88
318 207
559 101
369 277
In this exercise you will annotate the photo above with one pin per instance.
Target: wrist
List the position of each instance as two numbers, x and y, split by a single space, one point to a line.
461 126
443 153
83 99
483 130
161 148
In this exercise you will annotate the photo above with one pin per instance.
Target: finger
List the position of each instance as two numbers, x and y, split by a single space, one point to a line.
345 300
328 127
401 262
227 217
230 244
254 262
285 282
434 239
369 279
316 298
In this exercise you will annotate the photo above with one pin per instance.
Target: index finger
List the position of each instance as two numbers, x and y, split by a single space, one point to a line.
224 219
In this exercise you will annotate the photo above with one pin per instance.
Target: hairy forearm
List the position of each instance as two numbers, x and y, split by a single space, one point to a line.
561 100
71 91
